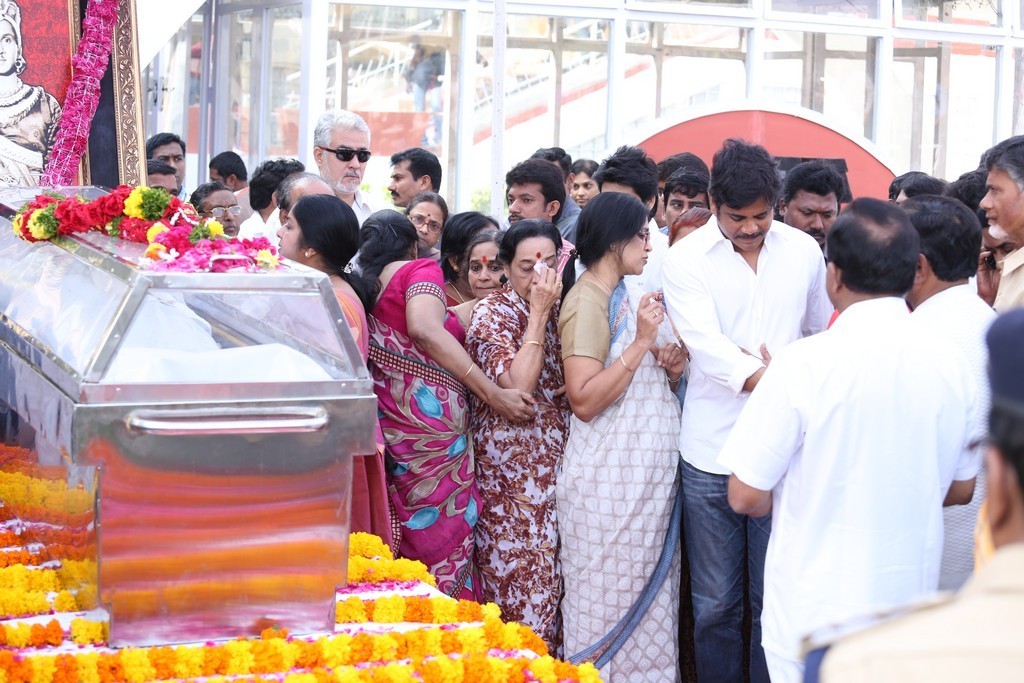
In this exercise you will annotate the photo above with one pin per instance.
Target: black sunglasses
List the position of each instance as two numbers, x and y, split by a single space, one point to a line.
346 153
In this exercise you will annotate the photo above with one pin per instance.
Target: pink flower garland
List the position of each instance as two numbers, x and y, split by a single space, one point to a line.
83 96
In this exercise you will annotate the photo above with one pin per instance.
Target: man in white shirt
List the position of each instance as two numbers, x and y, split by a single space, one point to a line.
736 288
267 177
630 171
341 149
853 441
947 304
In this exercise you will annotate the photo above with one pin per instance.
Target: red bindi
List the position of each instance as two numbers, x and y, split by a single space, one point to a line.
538 255
485 260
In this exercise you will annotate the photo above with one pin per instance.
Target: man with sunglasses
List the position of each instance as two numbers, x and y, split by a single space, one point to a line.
217 201
341 149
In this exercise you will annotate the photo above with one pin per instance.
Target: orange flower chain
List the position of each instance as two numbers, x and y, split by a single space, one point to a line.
442 640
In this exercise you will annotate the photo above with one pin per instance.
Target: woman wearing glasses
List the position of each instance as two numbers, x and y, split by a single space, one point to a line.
423 377
620 469
216 200
323 233
428 213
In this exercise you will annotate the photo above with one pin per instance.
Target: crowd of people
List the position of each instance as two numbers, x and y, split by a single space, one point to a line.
655 375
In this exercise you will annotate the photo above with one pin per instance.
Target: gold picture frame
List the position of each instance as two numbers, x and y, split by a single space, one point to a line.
124 59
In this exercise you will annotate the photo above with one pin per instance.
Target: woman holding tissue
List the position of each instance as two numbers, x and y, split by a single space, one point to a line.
513 337
619 476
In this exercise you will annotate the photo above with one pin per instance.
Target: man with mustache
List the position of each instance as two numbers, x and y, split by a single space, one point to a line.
1003 205
341 148
810 199
736 287
413 171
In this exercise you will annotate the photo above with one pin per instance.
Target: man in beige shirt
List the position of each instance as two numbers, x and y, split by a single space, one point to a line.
978 635
1003 205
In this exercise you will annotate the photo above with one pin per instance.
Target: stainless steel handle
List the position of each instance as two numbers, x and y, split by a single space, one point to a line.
223 420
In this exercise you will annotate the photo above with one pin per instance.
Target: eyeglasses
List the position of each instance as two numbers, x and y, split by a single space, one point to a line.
346 153
644 235
419 221
221 211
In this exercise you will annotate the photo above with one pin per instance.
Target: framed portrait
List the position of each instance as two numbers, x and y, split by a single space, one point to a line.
37 41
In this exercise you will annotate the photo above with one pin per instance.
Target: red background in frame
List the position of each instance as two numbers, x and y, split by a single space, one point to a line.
46 44
782 135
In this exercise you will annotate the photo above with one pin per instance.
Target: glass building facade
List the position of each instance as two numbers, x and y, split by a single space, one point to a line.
925 84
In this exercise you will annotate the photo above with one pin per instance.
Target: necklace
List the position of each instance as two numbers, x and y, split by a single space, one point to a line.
456 293
600 283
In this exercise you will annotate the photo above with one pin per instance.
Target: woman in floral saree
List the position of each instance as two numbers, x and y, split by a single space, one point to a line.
423 376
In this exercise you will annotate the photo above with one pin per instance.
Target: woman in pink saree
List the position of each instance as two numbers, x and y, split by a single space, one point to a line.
423 378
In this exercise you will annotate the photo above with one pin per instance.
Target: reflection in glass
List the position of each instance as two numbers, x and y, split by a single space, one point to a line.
394 66
863 9
963 12
932 131
831 74
241 88
281 103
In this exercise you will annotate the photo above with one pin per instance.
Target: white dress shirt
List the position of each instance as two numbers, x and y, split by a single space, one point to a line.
255 226
959 316
363 207
720 307
858 433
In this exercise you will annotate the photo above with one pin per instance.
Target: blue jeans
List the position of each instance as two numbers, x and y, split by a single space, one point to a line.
723 546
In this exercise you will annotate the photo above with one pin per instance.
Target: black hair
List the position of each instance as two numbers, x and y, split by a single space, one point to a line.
741 174
535 227
157 167
676 162
1007 156
608 219
229 163
970 188
385 237
421 162
587 166
875 246
330 226
458 232
525 229
817 177
268 177
630 166
161 139
484 236
200 194
430 198
544 173
950 235
689 181
556 155
916 183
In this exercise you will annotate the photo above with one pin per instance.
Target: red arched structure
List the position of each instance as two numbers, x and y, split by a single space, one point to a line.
783 135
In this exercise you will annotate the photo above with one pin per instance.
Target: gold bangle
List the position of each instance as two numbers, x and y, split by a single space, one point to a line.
468 370
532 341
629 369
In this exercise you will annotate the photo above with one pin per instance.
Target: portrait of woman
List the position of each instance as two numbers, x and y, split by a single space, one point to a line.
29 116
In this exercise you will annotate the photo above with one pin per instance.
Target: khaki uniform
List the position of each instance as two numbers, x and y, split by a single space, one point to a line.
976 635
1010 294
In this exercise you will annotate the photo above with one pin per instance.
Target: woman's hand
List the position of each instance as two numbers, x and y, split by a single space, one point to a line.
512 404
672 358
545 293
649 316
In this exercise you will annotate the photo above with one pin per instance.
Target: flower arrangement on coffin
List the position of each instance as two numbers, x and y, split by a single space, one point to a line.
178 239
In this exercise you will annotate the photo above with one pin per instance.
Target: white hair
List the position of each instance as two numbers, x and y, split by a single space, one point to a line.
334 119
